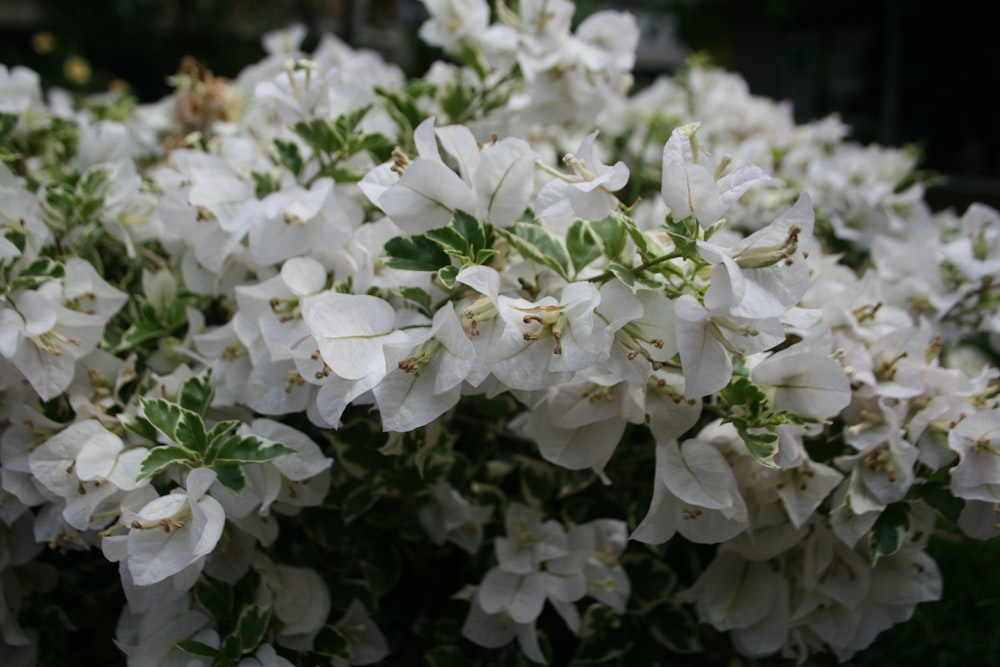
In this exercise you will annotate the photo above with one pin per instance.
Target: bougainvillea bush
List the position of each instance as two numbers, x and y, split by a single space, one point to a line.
508 364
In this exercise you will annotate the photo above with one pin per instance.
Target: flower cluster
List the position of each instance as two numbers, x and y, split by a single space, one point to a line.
276 346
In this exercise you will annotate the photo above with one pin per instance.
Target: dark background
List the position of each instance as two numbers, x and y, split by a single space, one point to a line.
899 73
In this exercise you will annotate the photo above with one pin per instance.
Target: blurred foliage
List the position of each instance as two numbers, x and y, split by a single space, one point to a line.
140 42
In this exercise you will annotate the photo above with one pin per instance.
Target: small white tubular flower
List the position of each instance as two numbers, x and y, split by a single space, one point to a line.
545 338
44 339
87 291
174 531
53 463
694 493
495 181
694 185
427 382
706 339
751 599
529 541
804 488
609 40
976 439
298 92
976 252
264 656
602 542
303 476
149 638
299 222
499 629
299 598
451 518
765 274
579 424
520 596
271 311
351 330
670 413
806 382
504 180
979 520
454 24
587 194
103 457
427 193
368 644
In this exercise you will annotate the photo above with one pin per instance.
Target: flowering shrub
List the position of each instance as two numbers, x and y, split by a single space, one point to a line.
339 367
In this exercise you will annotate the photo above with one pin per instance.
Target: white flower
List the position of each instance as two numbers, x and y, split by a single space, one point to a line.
976 439
586 195
454 23
299 598
496 630
351 330
694 185
694 493
368 644
174 531
450 517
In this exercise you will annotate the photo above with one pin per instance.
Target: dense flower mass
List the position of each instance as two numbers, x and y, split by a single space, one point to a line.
335 365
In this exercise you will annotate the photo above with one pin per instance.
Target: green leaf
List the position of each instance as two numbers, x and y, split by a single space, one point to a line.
252 627
673 627
219 431
612 235
8 121
485 255
358 501
658 580
446 656
471 229
289 156
939 497
890 531
331 642
378 145
582 245
402 107
638 238
215 596
197 392
450 240
16 236
539 481
139 426
247 449
138 333
685 235
605 634
456 99
418 296
415 253
197 648
321 134
163 457
448 276
763 446
381 567
749 397
230 476
264 183
40 271
622 273
182 426
538 244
